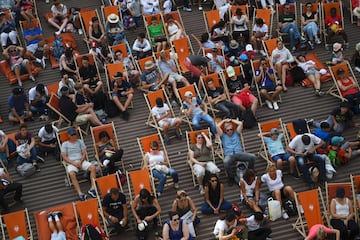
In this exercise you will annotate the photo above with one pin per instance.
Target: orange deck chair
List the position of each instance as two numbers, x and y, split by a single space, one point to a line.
181 97
266 15
191 139
326 7
331 192
68 222
53 88
211 18
183 49
279 11
138 180
67 40
123 47
315 8
17 224
110 129
89 212
176 16
147 21
266 127
355 187
111 70
85 19
232 11
335 89
107 10
53 104
11 136
105 183
320 65
314 210
150 99
270 45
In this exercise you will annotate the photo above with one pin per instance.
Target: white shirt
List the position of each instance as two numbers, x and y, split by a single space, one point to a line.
96 53
252 224
148 8
284 53
47 136
275 184
63 10
159 112
167 6
1 135
249 189
221 226
33 94
71 86
145 45
305 65
300 147
263 29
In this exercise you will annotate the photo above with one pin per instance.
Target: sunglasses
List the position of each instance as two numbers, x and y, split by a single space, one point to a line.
200 138
154 149
118 55
287 8
308 6
213 180
263 64
229 130
176 219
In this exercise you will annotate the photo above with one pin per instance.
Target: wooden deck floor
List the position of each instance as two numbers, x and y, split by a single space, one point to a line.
46 189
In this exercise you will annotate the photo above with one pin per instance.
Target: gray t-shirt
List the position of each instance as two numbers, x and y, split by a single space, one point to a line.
166 67
196 106
73 150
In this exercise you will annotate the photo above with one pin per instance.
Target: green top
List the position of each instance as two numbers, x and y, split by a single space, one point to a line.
155 31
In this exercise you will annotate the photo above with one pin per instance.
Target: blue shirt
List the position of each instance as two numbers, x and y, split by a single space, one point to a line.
231 144
275 147
325 136
265 81
17 102
33 32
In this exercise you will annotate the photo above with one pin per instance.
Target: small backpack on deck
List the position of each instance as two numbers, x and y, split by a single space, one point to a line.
92 232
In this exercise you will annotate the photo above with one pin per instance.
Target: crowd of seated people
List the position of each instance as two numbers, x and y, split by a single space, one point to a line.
77 86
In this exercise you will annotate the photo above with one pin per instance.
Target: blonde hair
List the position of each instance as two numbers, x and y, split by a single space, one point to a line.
321 234
270 167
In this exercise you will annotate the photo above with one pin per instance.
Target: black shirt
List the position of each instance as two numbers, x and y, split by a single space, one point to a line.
290 17
88 73
215 93
114 207
68 108
342 117
198 60
236 85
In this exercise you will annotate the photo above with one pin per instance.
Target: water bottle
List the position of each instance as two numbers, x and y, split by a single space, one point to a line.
67 184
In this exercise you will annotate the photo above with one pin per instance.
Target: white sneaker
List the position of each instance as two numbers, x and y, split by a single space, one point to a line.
269 104
80 31
200 8
187 9
262 52
106 162
201 189
19 83
176 185
47 1
57 33
301 209
357 69
318 41
276 106
285 215
38 60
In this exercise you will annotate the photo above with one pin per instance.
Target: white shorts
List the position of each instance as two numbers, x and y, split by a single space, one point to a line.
32 47
81 118
170 121
84 166
58 236
174 77
199 171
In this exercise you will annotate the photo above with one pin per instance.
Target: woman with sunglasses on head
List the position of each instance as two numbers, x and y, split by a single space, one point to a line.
108 152
200 156
159 164
187 210
145 208
175 228
214 197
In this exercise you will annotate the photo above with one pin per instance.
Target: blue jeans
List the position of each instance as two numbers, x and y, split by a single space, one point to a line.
301 161
238 157
41 109
20 160
293 32
196 122
162 178
226 107
206 209
311 30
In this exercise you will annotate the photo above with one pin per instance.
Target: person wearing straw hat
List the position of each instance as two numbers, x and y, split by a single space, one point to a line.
115 29
150 78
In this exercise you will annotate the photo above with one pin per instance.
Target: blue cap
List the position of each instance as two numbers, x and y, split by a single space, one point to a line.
243 57
71 131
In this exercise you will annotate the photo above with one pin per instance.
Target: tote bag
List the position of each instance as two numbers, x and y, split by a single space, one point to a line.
274 209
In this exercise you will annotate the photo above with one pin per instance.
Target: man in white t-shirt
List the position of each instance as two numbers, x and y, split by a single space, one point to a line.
4 149
303 147
38 97
48 142
254 225
165 120
226 228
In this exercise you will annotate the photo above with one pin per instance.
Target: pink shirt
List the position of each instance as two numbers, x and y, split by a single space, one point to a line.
314 229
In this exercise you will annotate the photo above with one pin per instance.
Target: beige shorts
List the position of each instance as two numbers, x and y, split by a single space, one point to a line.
81 118
199 171
84 166
170 121
174 77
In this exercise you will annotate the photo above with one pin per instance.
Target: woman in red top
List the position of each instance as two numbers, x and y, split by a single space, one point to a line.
320 232
348 89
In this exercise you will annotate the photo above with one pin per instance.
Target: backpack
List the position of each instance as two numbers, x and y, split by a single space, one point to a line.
92 232
173 6
58 48
25 169
249 120
290 208
297 74
111 109
300 126
129 22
